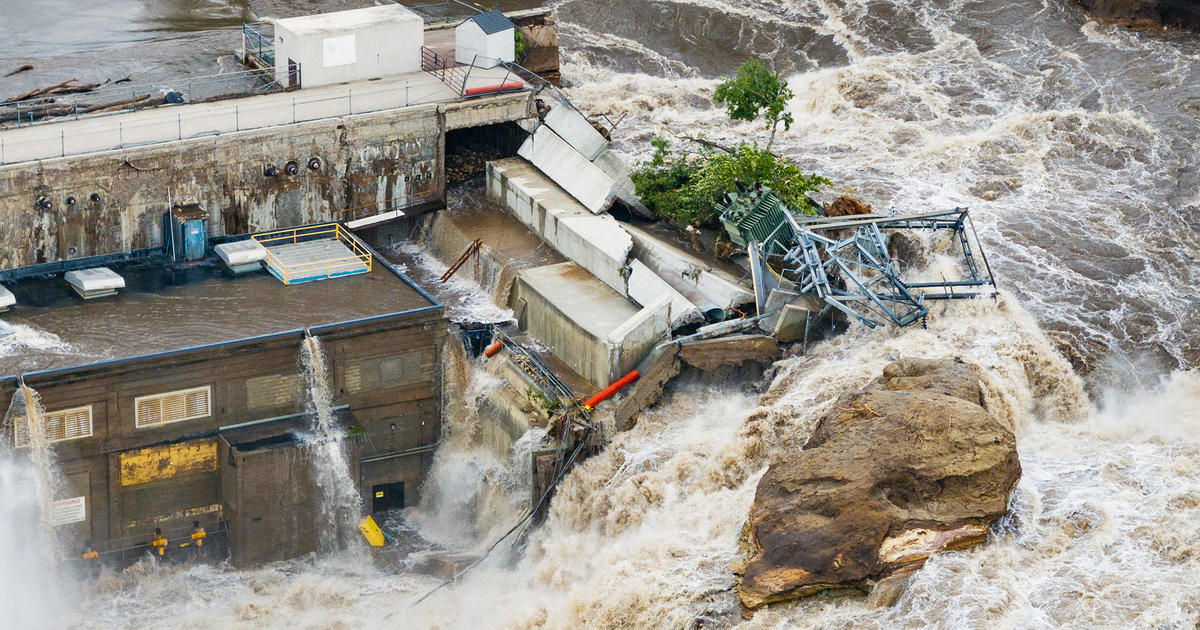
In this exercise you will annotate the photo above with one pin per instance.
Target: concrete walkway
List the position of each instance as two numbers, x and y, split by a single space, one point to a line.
179 122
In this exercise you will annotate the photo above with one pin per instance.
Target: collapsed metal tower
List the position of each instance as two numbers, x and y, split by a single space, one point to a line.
845 261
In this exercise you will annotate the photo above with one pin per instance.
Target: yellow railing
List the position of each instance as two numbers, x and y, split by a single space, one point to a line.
311 268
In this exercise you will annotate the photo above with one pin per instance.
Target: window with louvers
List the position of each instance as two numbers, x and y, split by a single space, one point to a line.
68 424
185 404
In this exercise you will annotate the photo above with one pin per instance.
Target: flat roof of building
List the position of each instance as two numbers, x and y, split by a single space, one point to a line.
354 19
162 309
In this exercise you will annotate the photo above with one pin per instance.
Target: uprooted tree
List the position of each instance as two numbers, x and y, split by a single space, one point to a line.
686 186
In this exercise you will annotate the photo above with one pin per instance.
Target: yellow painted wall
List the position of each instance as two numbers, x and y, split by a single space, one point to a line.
163 462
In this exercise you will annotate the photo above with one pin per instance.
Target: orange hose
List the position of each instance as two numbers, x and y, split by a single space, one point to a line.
493 349
611 389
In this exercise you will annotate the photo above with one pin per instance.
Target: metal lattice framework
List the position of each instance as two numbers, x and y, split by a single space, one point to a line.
845 262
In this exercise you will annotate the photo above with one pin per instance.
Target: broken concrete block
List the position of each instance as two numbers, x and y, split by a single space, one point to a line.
7 299
645 287
572 127
596 243
569 169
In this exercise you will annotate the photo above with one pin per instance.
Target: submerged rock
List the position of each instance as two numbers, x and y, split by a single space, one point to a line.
911 466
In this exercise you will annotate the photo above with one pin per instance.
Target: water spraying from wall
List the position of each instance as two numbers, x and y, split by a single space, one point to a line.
339 502
29 597
474 491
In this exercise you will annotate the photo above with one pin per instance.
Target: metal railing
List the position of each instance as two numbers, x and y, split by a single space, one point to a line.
449 11
258 43
122 552
119 99
216 120
292 272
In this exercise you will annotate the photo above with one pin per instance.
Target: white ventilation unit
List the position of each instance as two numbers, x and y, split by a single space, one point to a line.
68 424
185 404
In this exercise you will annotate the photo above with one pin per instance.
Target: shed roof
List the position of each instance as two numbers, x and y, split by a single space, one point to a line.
491 22
343 21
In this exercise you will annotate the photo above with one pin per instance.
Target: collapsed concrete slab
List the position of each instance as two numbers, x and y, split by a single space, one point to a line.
569 169
593 330
573 128
7 299
692 277
596 243
645 287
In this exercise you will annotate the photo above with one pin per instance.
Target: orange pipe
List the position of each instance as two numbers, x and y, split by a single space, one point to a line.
611 389
493 349
488 89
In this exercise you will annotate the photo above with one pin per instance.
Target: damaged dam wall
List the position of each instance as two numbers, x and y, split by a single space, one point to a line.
338 168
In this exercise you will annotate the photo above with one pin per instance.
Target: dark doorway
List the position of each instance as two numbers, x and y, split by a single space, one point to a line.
388 496
293 74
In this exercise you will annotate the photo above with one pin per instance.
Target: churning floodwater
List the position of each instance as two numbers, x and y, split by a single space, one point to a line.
1075 145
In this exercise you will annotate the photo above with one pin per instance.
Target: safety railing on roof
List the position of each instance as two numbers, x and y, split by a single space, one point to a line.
326 267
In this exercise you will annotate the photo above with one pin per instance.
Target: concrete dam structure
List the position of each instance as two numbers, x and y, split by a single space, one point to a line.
89 185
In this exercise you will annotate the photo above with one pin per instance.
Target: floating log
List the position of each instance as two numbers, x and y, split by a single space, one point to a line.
20 70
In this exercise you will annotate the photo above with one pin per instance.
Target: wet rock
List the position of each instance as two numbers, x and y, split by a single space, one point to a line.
910 466
1145 13
906 247
847 205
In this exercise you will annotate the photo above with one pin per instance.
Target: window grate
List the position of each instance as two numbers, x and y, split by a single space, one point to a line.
68 424
185 404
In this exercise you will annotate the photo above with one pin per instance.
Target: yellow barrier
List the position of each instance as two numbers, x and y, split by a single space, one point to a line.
307 269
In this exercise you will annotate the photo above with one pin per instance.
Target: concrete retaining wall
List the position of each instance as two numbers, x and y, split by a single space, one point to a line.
594 331
363 159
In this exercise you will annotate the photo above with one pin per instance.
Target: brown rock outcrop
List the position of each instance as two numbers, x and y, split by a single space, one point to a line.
1145 13
911 466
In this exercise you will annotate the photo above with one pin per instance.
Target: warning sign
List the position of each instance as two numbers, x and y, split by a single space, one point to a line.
68 511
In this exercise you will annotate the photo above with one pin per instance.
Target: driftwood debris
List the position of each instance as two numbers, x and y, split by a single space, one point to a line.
51 109
23 68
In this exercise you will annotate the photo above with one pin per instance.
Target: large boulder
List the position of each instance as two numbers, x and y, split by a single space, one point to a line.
911 466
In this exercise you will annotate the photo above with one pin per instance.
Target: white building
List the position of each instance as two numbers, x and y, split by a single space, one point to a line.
346 46
485 40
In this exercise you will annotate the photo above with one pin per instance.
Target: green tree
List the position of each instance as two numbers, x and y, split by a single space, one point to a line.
756 93
749 164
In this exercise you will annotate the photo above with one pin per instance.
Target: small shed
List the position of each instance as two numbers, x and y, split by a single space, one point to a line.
485 40
354 45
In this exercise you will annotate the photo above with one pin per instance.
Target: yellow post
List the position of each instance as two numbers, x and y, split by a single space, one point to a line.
371 532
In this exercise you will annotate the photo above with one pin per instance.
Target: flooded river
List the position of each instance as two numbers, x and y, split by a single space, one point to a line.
1074 143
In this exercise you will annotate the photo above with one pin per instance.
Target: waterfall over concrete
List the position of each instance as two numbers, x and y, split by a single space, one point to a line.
339 503
29 595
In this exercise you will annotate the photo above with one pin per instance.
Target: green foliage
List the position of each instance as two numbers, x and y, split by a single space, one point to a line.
519 43
687 189
660 181
749 164
755 93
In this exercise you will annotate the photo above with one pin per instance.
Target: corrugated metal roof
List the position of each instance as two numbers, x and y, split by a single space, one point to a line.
491 22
